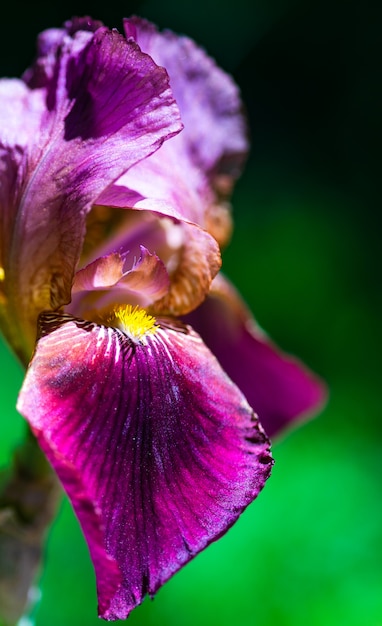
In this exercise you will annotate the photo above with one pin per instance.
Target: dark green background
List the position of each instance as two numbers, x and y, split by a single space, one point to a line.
304 255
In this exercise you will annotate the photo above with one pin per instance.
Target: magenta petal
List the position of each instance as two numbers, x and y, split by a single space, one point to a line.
157 449
279 387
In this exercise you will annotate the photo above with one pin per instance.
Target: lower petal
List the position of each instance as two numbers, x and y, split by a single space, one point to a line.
281 388
156 447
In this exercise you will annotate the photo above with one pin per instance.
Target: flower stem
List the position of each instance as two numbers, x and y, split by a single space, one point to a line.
29 495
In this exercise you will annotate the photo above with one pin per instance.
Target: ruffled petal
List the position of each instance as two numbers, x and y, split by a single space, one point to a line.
197 264
100 274
157 449
278 386
190 254
107 106
49 42
208 99
213 145
143 284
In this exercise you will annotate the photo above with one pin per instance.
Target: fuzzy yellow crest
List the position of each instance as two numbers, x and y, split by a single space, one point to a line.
134 322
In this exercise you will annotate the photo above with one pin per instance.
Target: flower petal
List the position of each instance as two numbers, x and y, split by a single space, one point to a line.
190 254
208 99
18 104
100 274
147 279
167 183
143 284
107 105
278 386
190 178
157 449
198 262
213 146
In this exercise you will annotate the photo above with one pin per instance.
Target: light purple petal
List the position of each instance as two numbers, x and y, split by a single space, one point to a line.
157 449
278 386
107 106
17 104
167 183
191 177
21 111
208 98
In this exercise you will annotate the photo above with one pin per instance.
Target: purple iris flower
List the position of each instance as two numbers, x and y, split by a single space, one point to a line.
112 216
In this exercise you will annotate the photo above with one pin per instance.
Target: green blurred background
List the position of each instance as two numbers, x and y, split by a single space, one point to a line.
304 255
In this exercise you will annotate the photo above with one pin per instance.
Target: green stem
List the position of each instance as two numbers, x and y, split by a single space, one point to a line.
29 495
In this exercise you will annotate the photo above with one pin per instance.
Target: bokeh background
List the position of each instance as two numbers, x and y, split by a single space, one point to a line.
304 255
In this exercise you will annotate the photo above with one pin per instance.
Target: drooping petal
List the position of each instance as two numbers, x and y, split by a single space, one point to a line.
278 386
107 105
157 449
16 106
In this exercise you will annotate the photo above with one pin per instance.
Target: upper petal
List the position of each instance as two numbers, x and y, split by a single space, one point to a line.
166 182
21 112
208 99
107 106
192 176
278 386
157 449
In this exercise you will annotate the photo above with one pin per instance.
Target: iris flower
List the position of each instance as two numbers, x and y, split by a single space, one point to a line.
115 180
